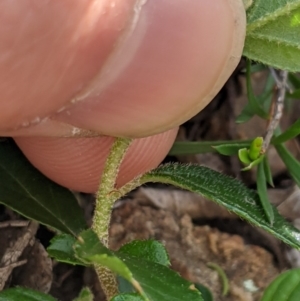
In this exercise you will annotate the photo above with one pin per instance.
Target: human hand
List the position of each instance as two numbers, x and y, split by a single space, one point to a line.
126 68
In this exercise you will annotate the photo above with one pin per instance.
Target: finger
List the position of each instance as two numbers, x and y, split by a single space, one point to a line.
77 163
166 69
50 50
167 63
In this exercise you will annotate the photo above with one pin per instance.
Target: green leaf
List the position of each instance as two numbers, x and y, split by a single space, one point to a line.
154 281
254 103
294 79
61 248
244 156
150 250
128 297
294 95
263 194
188 147
24 294
255 148
191 148
263 100
225 191
292 132
286 287
292 165
231 148
205 292
159 282
85 295
246 114
251 157
124 286
222 275
273 33
268 172
25 190
90 250
253 163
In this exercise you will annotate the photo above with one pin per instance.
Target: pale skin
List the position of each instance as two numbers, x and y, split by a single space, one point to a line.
72 71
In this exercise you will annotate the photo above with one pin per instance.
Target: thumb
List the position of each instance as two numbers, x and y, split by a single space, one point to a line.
120 68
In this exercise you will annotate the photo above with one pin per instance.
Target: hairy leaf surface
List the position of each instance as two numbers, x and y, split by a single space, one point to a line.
273 33
225 191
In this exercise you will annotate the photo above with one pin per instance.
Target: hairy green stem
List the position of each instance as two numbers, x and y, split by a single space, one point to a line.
105 200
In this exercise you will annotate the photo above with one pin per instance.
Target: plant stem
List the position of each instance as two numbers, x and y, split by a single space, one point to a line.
278 109
105 200
223 276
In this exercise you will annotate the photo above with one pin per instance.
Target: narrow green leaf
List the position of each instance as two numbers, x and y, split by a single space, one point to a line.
286 287
253 100
188 147
225 191
205 292
253 163
128 297
255 148
85 295
61 248
154 281
24 294
263 194
294 79
268 172
191 148
230 148
264 99
25 190
246 114
244 156
222 275
291 163
273 33
294 95
292 132
150 250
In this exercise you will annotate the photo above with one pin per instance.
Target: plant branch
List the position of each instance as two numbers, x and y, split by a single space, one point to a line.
106 197
105 200
278 106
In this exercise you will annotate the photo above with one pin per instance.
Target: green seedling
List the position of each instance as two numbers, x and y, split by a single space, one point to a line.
252 156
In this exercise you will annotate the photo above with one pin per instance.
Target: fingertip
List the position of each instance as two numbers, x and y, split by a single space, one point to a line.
50 50
77 163
170 67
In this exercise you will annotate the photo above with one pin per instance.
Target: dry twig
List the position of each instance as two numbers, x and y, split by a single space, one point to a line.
278 105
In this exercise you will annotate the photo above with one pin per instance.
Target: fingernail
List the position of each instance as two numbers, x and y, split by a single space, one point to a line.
170 62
